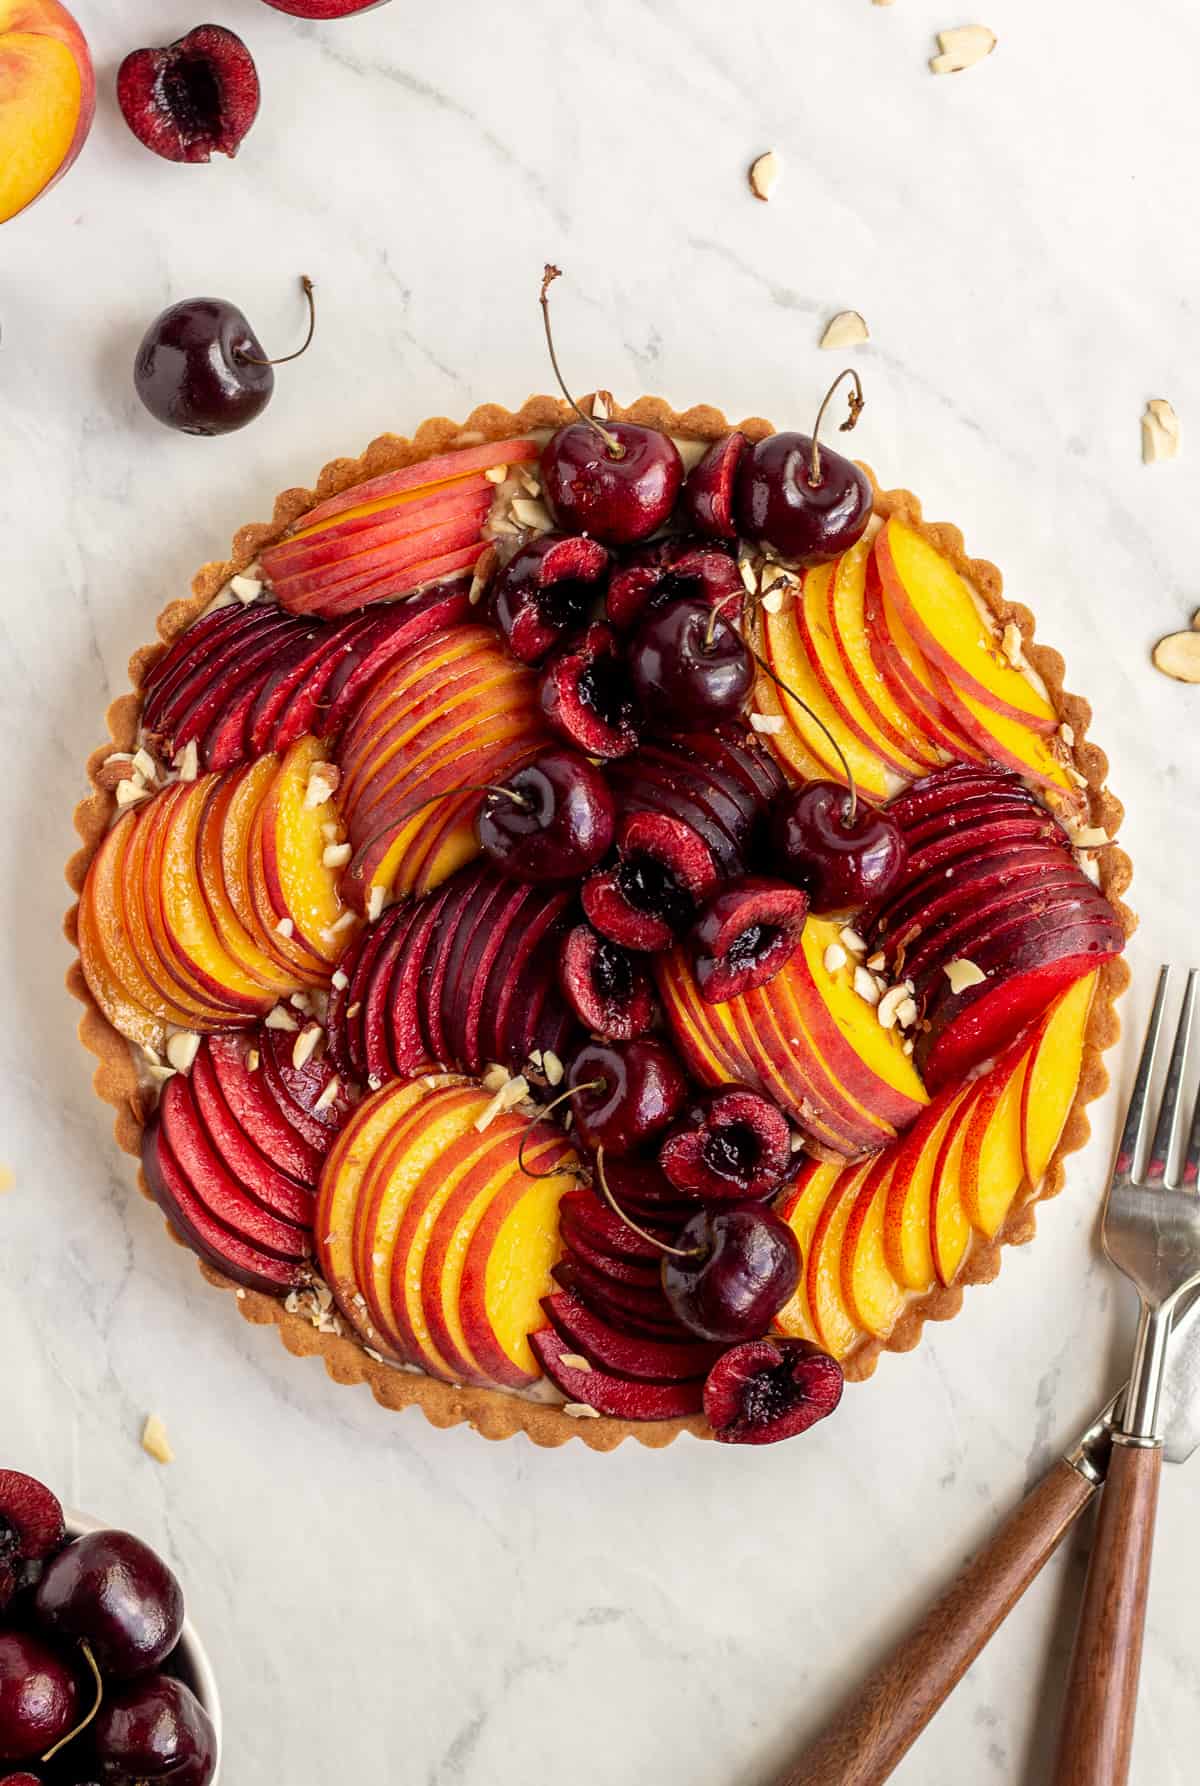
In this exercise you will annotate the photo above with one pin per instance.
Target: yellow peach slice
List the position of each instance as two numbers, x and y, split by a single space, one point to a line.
837 1330
815 627
186 914
847 613
949 626
949 1224
801 1207
215 836
871 1060
992 1168
1008 741
47 99
869 1290
907 1239
302 888
1053 1076
506 1269
786 655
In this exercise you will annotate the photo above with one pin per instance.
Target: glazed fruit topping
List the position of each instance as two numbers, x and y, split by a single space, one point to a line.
843 852
731 1271
154 1729
663 869
551 820
770 1389
607 987
616 481
39 1696
799 501
690 665
744 935
587 696
625 1093
709 494
111 1591
545 592
31 1527
202 369
194 99
731 1142
664 571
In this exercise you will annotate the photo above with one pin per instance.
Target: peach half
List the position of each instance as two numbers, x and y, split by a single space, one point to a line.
47 99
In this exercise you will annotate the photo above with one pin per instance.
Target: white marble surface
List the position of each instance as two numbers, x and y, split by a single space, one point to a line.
389 1603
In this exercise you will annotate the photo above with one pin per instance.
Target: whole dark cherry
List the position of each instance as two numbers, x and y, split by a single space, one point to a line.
841 859
113 1592
798 500
202 369
689 665
616 481
39 1696
551 820
740 1264
625 1093
154 1729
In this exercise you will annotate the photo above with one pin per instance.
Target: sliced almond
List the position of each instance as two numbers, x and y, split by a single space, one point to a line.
1067 733
286 927
1089 837
323 779
866 986
494 1077
339 979
182 1049
496 474
961 47
877 962
336 855
247 589
835 958
580 1411
187 761
375 901
851 941
1012 644
552 1067
253 1060
115 769
888 1008
529 512
305 1045
1161 433
329 1094
847 329
145 765
771 723
510 1093
155 1442
963 974
764 175
1178 656
575 1361
279 1017
130 792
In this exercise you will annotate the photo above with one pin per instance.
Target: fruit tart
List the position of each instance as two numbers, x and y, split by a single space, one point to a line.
598 923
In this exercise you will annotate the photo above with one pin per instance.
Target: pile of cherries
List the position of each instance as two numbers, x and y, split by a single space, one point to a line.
638 645
88 1631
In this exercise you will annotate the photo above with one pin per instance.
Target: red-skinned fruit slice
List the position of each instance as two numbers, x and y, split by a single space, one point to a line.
587 697
545 592
651 576
607 1349
606 1231
663 869
630 1311
256 1111
399 630
606 986
953 846
192 100
642 1188
303 1090
205 643
625 1398
343 1032
708 492
949 787
226 1200
731 1142
770 1389
744 935
283 1196
613 1267
230 1253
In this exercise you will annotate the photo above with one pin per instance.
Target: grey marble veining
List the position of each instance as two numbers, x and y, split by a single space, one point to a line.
389 1603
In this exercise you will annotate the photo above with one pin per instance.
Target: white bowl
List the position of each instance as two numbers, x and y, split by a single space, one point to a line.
190 1660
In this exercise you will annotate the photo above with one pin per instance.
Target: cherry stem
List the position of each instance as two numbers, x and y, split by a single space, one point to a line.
676 1252
714 612
857 405
249 359
588 1085
72 1734
847 771
612 445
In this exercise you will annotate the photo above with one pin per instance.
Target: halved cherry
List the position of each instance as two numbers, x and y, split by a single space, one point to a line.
607 987
744 935
664 868
708 494
31 1527
587 695
545 591
770 1389
731 1142
665 570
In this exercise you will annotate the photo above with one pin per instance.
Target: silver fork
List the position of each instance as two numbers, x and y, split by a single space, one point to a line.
1151 1232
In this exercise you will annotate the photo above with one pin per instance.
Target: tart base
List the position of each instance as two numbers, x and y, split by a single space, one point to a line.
494 1413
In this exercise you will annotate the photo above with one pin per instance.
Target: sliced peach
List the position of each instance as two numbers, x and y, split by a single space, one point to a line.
1008 741
1048 1091
949 625
217 839
863 1056
837 1331
993 1169
114 966
788 659
335 1219
907 1237
796 761
848 624
381 492
148 930
135 1021
906 673
812 611
869 1290
949 1224
47 99
188 920
828 1073
800 1207
343 541
301 887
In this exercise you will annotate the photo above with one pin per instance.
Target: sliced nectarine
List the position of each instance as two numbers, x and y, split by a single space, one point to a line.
949 1224
391 486
848 624
869 1290
949 625
907 1237
992 1165
47 99
188 920
1005 740
301 887
217 846
1050 1084
790 662
837 1330
863 1056
800 1207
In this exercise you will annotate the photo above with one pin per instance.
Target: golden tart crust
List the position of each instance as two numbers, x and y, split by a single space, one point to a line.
493 1413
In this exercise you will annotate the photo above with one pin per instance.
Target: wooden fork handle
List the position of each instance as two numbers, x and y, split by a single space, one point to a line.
1097 1730
876 1728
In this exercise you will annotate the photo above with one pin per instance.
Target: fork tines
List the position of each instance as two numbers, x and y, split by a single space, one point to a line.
1169 1129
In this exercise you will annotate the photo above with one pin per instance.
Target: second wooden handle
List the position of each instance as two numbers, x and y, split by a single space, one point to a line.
870 1736
1097 1730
